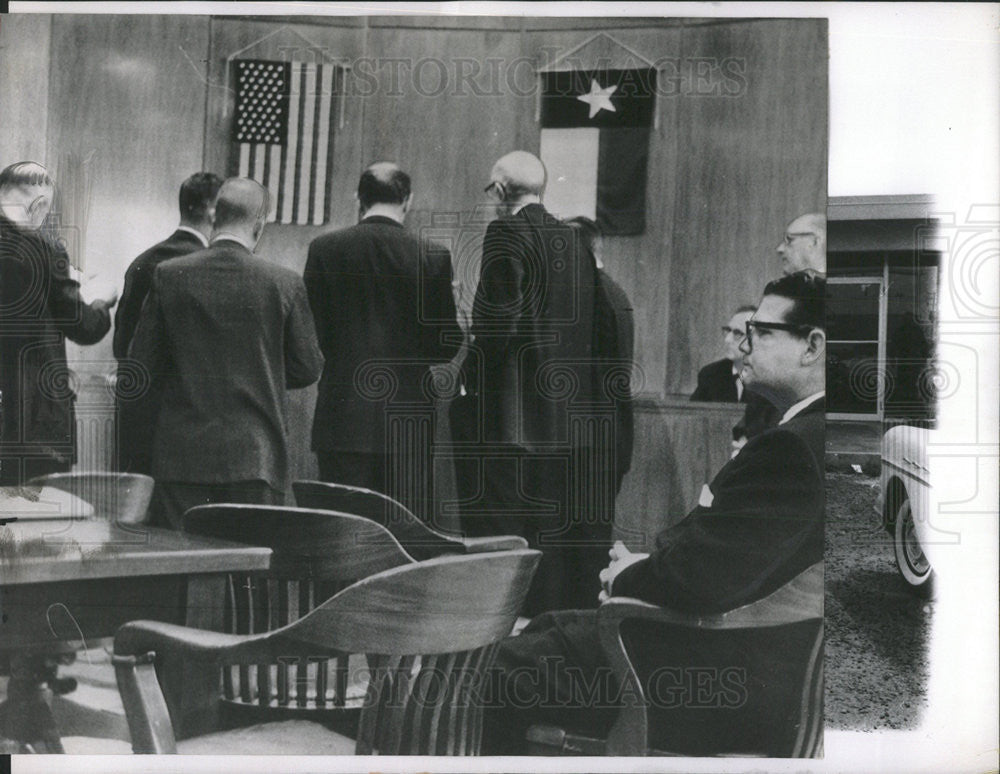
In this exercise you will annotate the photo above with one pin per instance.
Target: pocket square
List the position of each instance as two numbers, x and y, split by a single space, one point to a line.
706 498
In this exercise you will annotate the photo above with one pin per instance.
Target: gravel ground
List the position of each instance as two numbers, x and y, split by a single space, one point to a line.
877 632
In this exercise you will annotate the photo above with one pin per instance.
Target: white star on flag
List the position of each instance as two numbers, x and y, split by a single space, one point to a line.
598 99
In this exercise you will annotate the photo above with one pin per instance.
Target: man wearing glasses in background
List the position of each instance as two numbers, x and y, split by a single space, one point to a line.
719 382
757 525
803 247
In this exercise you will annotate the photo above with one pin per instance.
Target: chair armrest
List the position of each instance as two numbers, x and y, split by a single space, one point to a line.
480 545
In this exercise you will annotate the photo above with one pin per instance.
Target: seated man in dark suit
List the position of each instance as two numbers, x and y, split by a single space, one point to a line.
719 382
756 526
136 404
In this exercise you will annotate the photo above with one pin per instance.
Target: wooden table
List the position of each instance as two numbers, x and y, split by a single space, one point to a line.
82 579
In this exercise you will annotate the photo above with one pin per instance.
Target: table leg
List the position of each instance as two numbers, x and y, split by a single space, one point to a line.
26 716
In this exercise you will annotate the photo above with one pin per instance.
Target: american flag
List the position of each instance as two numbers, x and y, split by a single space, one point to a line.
282 130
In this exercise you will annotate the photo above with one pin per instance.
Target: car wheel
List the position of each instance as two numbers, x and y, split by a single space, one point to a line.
910 557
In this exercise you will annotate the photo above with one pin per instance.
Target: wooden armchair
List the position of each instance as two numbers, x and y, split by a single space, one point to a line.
315 554
116 497
748 682
420 540
429 631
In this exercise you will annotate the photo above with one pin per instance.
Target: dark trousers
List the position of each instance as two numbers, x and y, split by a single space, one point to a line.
561 504
553 673
173 498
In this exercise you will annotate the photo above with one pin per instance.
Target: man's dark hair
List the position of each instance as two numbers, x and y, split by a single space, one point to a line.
587 228
24 173
197 195
807 291
383 184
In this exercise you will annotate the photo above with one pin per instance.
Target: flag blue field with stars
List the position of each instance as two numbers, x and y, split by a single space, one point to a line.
595 145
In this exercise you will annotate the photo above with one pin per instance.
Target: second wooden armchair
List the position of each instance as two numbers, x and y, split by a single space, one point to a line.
420 540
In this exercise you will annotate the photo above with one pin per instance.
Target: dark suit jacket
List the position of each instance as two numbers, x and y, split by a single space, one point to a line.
533 322
224 334
385 313
40 306
138 279
614 341
716 383
764 526
137 405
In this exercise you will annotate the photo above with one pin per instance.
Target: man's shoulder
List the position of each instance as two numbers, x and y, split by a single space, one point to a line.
807 428
341 241
715 369
177 244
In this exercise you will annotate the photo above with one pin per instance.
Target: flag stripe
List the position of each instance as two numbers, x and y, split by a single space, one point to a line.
305 152
274 182
570 157
322 141
259 154
292 144
244 159
621 180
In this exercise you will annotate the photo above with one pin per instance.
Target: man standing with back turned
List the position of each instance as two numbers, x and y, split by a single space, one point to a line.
136 404
384 309
533 329
224 333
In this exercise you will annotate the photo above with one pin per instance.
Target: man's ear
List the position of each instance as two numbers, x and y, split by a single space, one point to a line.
815 347
38 210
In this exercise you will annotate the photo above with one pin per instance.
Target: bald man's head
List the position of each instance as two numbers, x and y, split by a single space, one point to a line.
26 191
383 183
241 207
804 245
521 174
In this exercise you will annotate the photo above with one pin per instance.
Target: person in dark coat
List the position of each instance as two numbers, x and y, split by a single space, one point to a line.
757 525
385 315
224 334
614 342
530 368
719 382
135 404
40 307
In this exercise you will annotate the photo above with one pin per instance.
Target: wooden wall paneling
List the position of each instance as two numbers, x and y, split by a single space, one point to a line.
125 121
445 113
287 245
679 446
24 86
752 162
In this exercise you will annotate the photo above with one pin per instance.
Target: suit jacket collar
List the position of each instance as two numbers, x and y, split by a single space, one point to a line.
188 234
815 405
230 242
382 220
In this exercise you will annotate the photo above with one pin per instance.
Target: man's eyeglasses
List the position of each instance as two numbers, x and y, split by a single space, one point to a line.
792 236
752 325
736 332
496 190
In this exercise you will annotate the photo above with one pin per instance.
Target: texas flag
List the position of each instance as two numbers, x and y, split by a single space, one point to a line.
595 143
